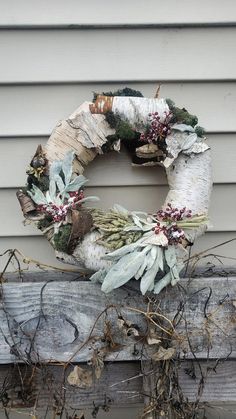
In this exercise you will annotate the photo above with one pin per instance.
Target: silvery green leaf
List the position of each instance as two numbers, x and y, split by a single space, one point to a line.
162 283
37 195
132 228
58 201
121 209
141 269
48 197
98 276
137 221
52 189
170 256
159 239
189 141
90 198
122 271
67 166
183 127
175 273
76 184
60 183
147 281
151 256
124 250
160 257
55 169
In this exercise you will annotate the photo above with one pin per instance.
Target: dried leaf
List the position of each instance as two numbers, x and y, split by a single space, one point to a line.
163 354
153 341
97 363
127 327
234 303
80 377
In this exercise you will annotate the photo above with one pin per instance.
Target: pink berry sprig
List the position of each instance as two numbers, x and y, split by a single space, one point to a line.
170 216
158 129
59 212
173 214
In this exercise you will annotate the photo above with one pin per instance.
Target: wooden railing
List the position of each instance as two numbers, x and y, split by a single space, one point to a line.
52 321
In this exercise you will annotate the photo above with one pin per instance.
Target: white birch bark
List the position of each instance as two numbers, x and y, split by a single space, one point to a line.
136 109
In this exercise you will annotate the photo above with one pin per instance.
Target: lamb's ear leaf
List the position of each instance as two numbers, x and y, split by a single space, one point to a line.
60 183
37 196
76 184
90 198
120 209
162 283
189 141
67 166
54 171
98 276
122 271
170 256
148 279
124 250
183 127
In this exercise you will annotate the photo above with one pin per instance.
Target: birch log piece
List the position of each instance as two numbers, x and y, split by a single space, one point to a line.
187 161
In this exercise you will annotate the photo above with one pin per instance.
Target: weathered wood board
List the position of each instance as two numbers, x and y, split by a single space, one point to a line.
65 320
121 384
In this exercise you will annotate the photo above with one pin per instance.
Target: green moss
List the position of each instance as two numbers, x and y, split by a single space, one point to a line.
45 223
61 239
200 131
181 116
121 92
42 183
112 119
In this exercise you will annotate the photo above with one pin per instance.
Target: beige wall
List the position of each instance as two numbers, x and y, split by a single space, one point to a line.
47 69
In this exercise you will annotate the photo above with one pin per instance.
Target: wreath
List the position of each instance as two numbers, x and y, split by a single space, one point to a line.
118 245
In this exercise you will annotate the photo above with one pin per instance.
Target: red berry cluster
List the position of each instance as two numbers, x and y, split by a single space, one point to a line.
158 129
171 216
59 212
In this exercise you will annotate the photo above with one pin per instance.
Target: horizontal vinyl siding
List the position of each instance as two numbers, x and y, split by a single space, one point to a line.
143 198
117 55
46 72
55 13
34 110
19 152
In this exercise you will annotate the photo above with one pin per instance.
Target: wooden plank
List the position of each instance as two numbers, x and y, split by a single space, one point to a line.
117 386
37 248
122 55
142 198
155 12
45 387
44 104
57 321
19 152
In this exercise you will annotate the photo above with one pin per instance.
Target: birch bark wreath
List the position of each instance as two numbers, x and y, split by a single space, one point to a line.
118 245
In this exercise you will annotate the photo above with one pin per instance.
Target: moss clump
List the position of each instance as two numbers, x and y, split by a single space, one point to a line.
121 92
181 116
42 183
61 239
200 131
45 222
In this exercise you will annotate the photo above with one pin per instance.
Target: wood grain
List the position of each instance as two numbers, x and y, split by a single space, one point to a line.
64 321
120 385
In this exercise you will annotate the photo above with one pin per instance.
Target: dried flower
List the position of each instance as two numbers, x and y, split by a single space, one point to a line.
167 223
158 130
